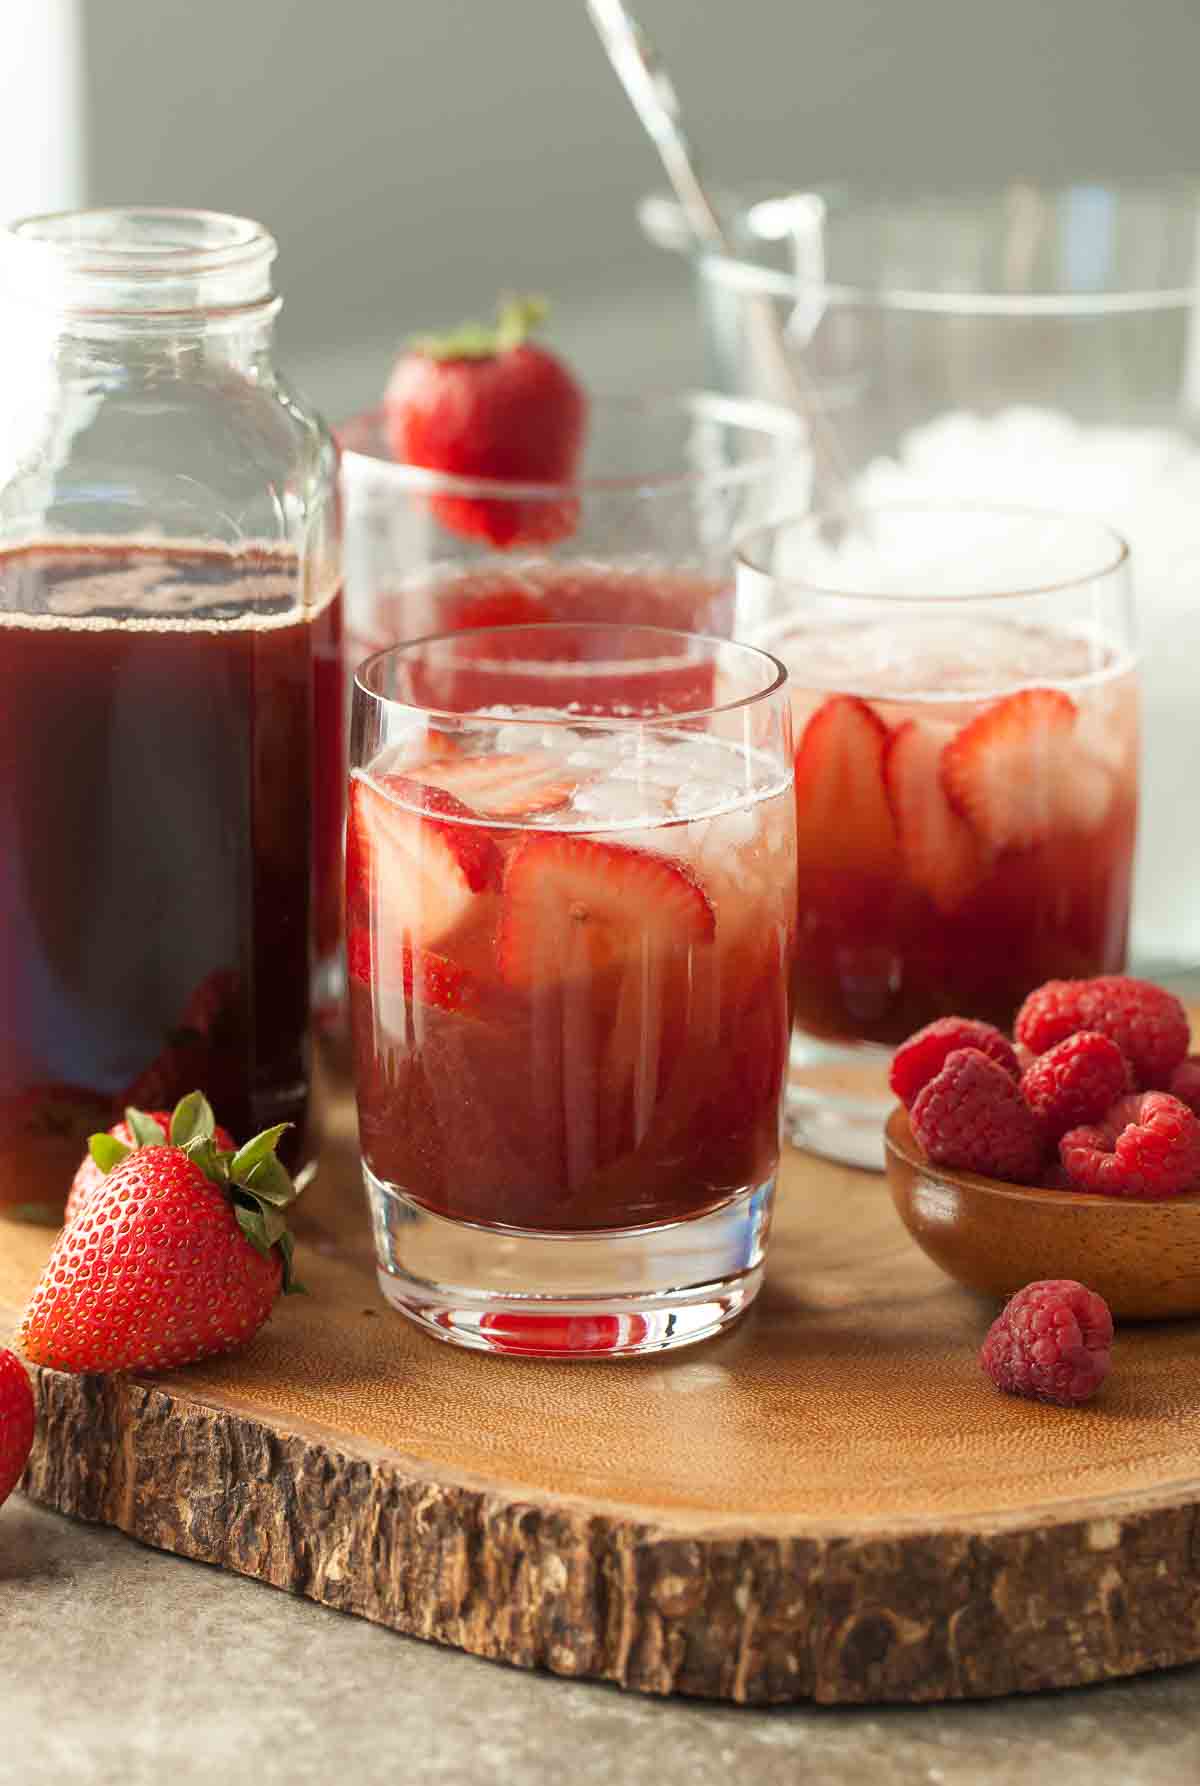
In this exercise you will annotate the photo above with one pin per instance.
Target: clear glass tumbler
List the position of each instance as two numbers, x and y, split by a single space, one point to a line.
570 905
1028 345
965 707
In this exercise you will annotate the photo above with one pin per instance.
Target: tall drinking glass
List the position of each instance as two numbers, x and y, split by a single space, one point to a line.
570 904
965 708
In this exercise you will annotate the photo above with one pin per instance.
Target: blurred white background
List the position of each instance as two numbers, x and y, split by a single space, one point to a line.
413 157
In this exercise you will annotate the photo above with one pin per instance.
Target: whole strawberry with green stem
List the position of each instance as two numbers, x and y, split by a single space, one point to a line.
491 404
179 1254
137 1128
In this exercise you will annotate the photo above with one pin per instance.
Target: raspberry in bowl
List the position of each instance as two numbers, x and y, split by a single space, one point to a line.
1066 1157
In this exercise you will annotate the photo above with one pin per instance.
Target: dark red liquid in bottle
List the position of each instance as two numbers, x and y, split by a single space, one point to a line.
156 737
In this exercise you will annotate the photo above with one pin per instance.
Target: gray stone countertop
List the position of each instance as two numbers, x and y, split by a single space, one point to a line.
120 1666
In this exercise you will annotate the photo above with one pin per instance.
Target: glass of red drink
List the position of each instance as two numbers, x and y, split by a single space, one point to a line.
965 709
168 592
570 900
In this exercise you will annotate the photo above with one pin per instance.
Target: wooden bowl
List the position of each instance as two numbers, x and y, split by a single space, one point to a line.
1143 1258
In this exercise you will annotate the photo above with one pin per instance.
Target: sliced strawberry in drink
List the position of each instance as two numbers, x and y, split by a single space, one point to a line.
359 958
426 749
1000 770
939 849
574 908
432 979
428 977
426 868
1018 774
508 787
843 820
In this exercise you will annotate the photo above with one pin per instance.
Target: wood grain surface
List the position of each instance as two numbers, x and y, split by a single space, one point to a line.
829 1502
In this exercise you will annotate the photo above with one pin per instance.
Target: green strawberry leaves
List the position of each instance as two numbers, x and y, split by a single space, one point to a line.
191 1120
254 1179
260 1188
256 1167
107 1151
517 319
145 1131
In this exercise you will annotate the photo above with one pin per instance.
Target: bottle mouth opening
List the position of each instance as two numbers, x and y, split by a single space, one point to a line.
137 258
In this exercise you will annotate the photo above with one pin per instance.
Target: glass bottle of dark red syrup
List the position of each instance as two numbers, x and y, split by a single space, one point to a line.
168 631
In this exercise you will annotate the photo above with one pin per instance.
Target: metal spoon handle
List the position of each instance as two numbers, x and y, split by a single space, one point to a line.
652 95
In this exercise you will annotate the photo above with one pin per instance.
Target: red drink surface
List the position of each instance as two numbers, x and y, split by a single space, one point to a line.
442 600
155 835
506 1075
983 844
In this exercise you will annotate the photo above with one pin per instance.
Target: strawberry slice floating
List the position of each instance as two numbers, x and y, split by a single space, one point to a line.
940 852
1017 773
426 867
843 819
516 786
574 908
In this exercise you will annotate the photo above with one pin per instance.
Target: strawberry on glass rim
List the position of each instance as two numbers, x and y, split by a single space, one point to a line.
490 404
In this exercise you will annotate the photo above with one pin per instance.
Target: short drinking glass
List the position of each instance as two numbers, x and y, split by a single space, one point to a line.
570 906
964 698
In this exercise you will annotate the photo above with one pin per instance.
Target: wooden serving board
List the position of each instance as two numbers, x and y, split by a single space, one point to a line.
830 1502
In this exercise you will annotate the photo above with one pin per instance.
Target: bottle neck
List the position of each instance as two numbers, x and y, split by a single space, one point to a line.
142 286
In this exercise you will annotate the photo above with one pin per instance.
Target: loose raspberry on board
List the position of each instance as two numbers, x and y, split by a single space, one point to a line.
1051 1343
